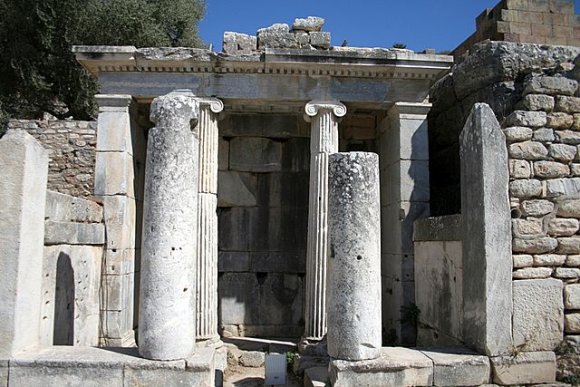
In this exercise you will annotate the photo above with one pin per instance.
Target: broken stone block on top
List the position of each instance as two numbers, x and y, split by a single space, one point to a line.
235 43
276 36
320 39
311 23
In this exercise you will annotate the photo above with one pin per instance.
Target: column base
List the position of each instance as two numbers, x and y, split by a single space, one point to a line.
212 342
127 341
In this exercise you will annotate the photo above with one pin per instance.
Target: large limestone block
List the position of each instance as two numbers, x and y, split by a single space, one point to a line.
538 314
253 154
70 284
236 189
439 286
487 250
235 43
74 233
458 367
114 174
239 298
572 296
65 208
23 197
524 368
395 367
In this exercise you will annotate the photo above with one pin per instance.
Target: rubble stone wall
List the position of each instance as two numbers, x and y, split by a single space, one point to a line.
71 146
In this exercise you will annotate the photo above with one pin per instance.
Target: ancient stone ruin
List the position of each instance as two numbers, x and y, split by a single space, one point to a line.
406 219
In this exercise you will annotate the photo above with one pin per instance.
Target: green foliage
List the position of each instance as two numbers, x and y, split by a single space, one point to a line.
399 45
573 380
410 314
38 72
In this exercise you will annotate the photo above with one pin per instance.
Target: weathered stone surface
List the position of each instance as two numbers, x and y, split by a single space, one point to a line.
539 102
569 245
522 260
539 207
544 135
167 292
237 189
563 187
23 194
311 23
569 208
395 367
538 314
576 124
528 150
573 260
74 233
563 227
520 169
550 169
549 260
524 368
235 43
525 188
253 154
276 36
563 152
534 246
559 120
575 169
526 118
320 39
518 133
572 296
568 137
551 86
526 227
566 273
354 265
487 323
567 104
3 373
458 367
572 322
252 358
439 295
532 272
65 208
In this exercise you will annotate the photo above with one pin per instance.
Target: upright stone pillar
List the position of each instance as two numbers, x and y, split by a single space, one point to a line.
354 264
404 165
324 118
207 251
167 304
119 146
487 248
23 177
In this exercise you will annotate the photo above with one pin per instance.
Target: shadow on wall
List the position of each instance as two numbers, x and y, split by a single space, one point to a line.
64 305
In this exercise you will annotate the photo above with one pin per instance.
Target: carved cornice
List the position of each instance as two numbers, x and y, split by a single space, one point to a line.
359 63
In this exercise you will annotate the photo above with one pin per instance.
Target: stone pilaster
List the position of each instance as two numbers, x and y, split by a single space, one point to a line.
207 251
115 178
324 117
167 303
404 166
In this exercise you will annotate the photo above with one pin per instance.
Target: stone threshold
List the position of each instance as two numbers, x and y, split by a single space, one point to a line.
455 366
112 367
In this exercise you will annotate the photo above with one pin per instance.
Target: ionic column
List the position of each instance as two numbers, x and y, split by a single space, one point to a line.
166 315
207 236
324 118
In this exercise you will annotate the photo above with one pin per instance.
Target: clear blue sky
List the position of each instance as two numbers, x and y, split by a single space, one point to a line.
420 24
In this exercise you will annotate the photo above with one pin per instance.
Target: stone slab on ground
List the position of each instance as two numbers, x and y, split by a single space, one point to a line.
316 377
524 368
458 367
396 366
87 366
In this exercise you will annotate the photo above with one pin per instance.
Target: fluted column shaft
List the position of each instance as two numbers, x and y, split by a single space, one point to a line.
324 118
207 236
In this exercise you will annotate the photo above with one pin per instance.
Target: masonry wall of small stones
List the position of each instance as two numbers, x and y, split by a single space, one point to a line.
71 146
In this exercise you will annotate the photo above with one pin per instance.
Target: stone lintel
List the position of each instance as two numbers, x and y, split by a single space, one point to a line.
410 110
114 101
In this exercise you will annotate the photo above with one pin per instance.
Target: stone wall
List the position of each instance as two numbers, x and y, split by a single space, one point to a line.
71 146
494 73
74 239
526 21
263 221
